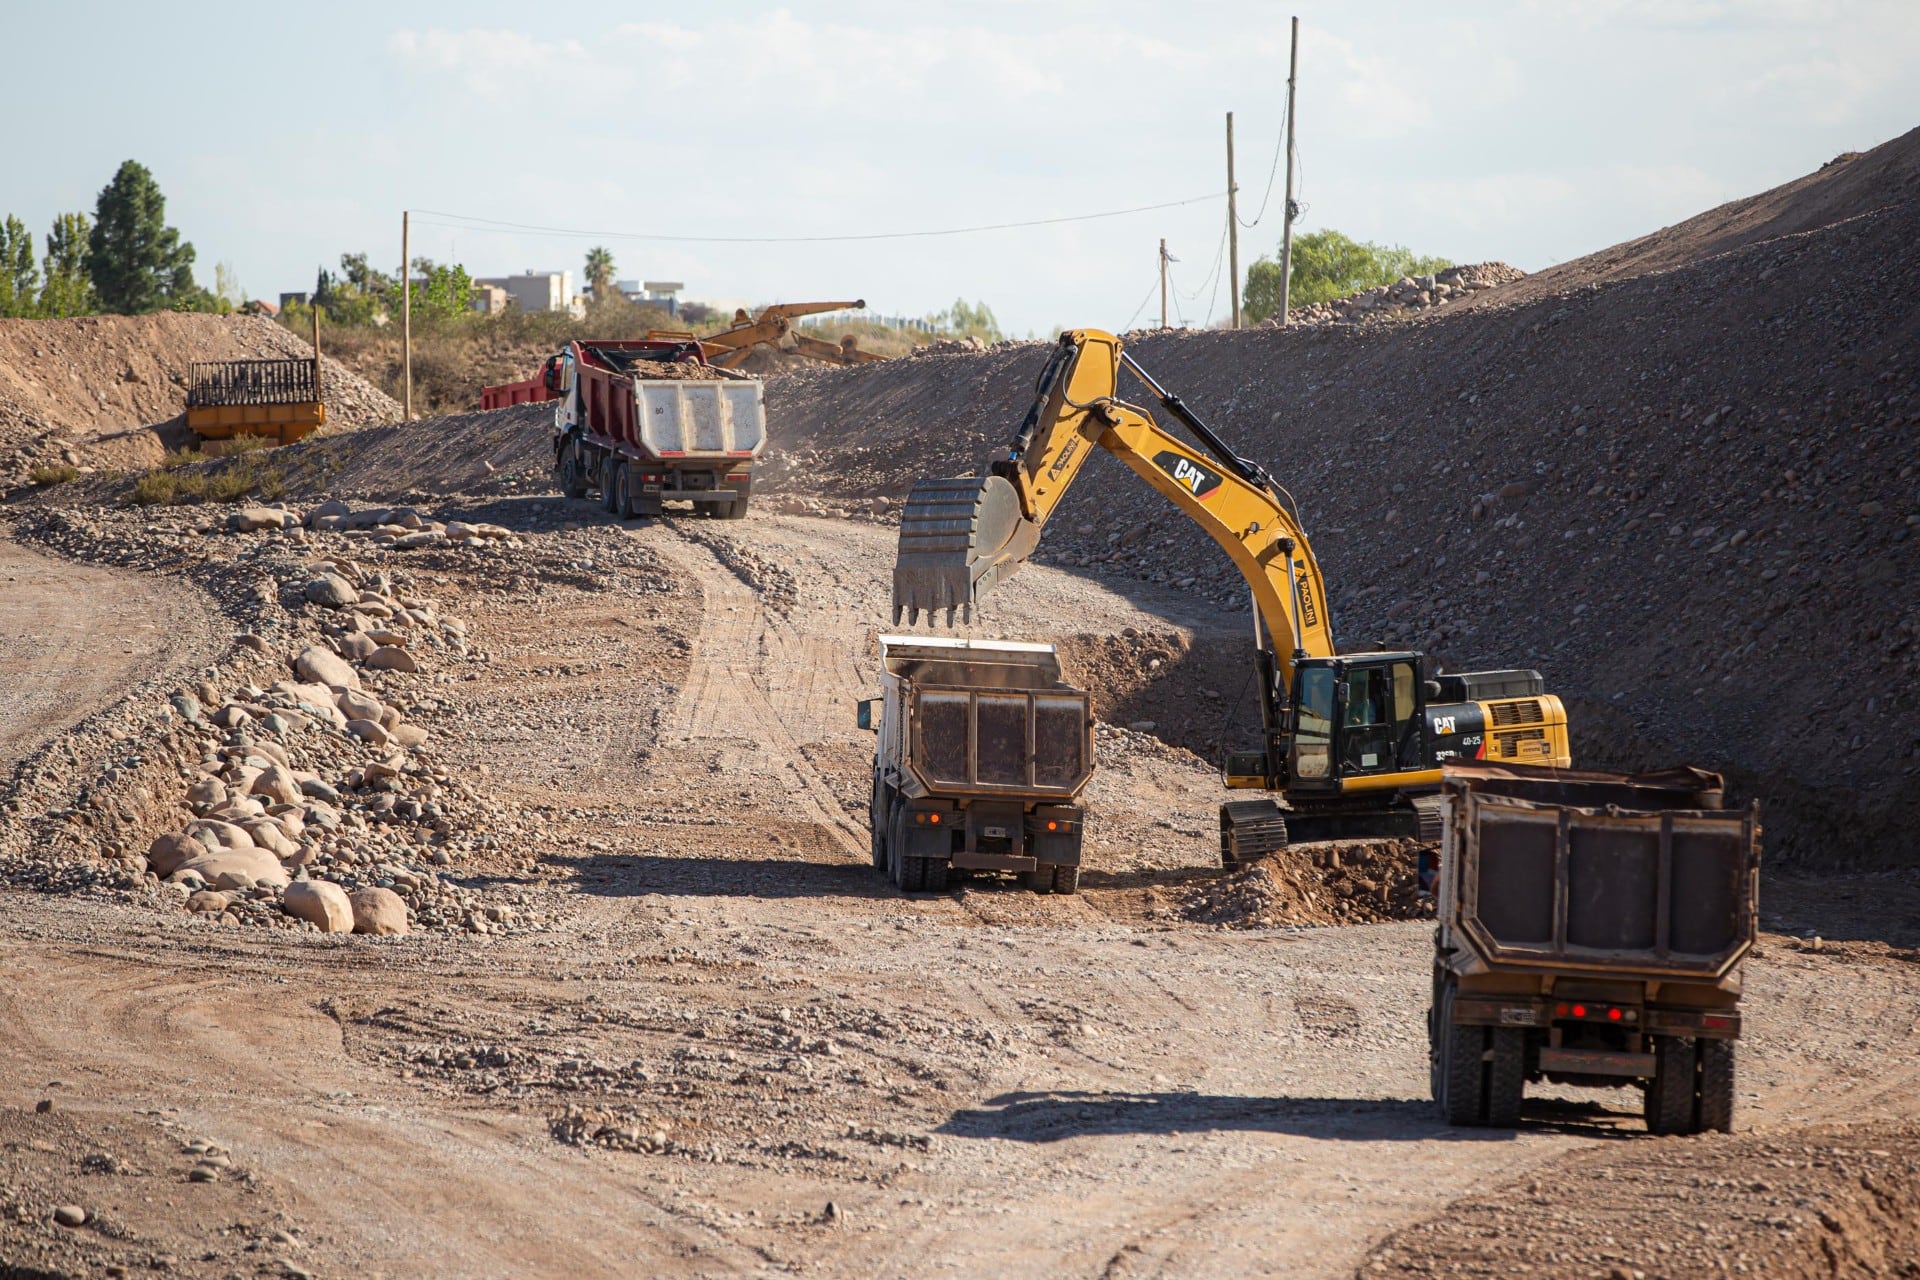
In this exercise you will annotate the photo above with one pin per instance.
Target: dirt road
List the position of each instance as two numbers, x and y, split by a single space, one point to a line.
728 1049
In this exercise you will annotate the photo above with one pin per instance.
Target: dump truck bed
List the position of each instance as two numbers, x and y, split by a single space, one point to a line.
1563 871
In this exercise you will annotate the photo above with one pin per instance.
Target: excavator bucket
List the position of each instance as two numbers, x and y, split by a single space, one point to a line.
957 538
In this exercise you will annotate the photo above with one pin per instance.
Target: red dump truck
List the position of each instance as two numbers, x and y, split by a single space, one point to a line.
645 422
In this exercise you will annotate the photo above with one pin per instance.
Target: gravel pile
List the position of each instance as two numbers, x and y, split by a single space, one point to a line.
1406 296
1337 882
296 784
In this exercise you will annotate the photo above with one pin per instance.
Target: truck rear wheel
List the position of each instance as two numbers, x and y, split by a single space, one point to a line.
735 510
1040 880
1669 1095
623 497
1066 879
879 822
609 488
1463 1068
1715 1103
1506 1076
933 874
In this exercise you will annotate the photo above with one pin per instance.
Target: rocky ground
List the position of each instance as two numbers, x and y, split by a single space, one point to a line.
432 876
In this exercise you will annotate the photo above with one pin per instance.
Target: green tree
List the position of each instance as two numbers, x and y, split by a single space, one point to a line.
19 277
440 293
67 290
600 273
968 321
137 262
227 286
1329 265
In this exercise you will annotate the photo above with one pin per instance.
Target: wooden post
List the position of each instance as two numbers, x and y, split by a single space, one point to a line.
1163 282
1233 228
1286 223
406 314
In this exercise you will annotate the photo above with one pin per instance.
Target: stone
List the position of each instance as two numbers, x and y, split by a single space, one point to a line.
414 541
331 508
322 666
217 834
248 639
268 834
207 793
410 735
320 903
357 646
256 519
70 1215
187 706
331 591
168 853
368 731
381 636
277 784
319 789
356 704
257 865
231 717
380 912
392 658
207 902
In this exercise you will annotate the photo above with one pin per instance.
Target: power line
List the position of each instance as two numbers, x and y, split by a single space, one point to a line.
1143 305
473 223
1279 145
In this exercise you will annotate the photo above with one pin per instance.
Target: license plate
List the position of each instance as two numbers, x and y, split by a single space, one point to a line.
994 833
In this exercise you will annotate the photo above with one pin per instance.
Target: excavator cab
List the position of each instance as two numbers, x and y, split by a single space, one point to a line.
1356 722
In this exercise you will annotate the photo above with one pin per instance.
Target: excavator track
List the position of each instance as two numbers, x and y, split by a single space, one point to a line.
1249 831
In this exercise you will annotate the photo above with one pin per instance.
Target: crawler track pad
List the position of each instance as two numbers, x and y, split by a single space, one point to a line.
957 538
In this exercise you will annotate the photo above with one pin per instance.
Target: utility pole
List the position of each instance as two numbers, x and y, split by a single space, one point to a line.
406 312
1233 228
1163 282
1286 225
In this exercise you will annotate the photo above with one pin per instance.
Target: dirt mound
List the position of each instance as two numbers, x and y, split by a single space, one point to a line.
1818 1203
1687 497
107 391
1338 882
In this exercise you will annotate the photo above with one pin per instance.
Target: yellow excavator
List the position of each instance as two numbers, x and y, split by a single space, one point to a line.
732 345
1353 742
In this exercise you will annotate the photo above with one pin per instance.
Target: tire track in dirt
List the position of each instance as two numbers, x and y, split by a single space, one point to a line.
741 689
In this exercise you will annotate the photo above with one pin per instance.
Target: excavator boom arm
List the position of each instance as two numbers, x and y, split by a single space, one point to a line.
959 537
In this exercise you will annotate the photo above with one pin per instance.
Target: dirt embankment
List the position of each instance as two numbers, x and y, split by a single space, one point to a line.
1683 487
109 391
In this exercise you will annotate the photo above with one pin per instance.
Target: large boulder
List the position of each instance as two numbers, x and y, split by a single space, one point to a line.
355 704
215 834
254 519
410 735
322 666
370 732
321 903
357 646
269 835
392 658
378 911
331 507
278 784
253 866
331 591
169 852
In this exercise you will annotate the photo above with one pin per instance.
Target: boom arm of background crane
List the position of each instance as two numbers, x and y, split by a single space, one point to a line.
730 346
959 537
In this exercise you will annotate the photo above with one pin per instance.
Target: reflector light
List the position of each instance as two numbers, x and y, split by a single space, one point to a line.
933 817
1613 1015
1560 1010
1579 1011
1053 826
1711 1021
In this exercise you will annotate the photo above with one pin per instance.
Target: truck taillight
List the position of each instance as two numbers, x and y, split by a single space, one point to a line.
1052 825
924 818
1716 1022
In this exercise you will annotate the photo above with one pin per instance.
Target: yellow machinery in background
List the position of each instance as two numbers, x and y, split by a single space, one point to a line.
283 400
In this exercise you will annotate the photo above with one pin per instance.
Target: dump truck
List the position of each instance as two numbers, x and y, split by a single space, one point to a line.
1592 931
648 421
982 755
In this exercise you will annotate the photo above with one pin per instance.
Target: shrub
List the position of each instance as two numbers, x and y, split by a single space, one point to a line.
51 474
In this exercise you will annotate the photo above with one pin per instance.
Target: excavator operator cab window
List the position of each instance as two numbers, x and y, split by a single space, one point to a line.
1376 717
1313 724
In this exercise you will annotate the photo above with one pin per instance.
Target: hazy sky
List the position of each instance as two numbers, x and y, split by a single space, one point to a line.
1530 132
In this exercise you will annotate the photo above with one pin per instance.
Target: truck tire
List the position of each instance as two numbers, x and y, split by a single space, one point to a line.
567 476
735 510
1039 880
1669 1095
1506 1076
933 874
1066 879
623 496
1463 1069
609 488
1715 1102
